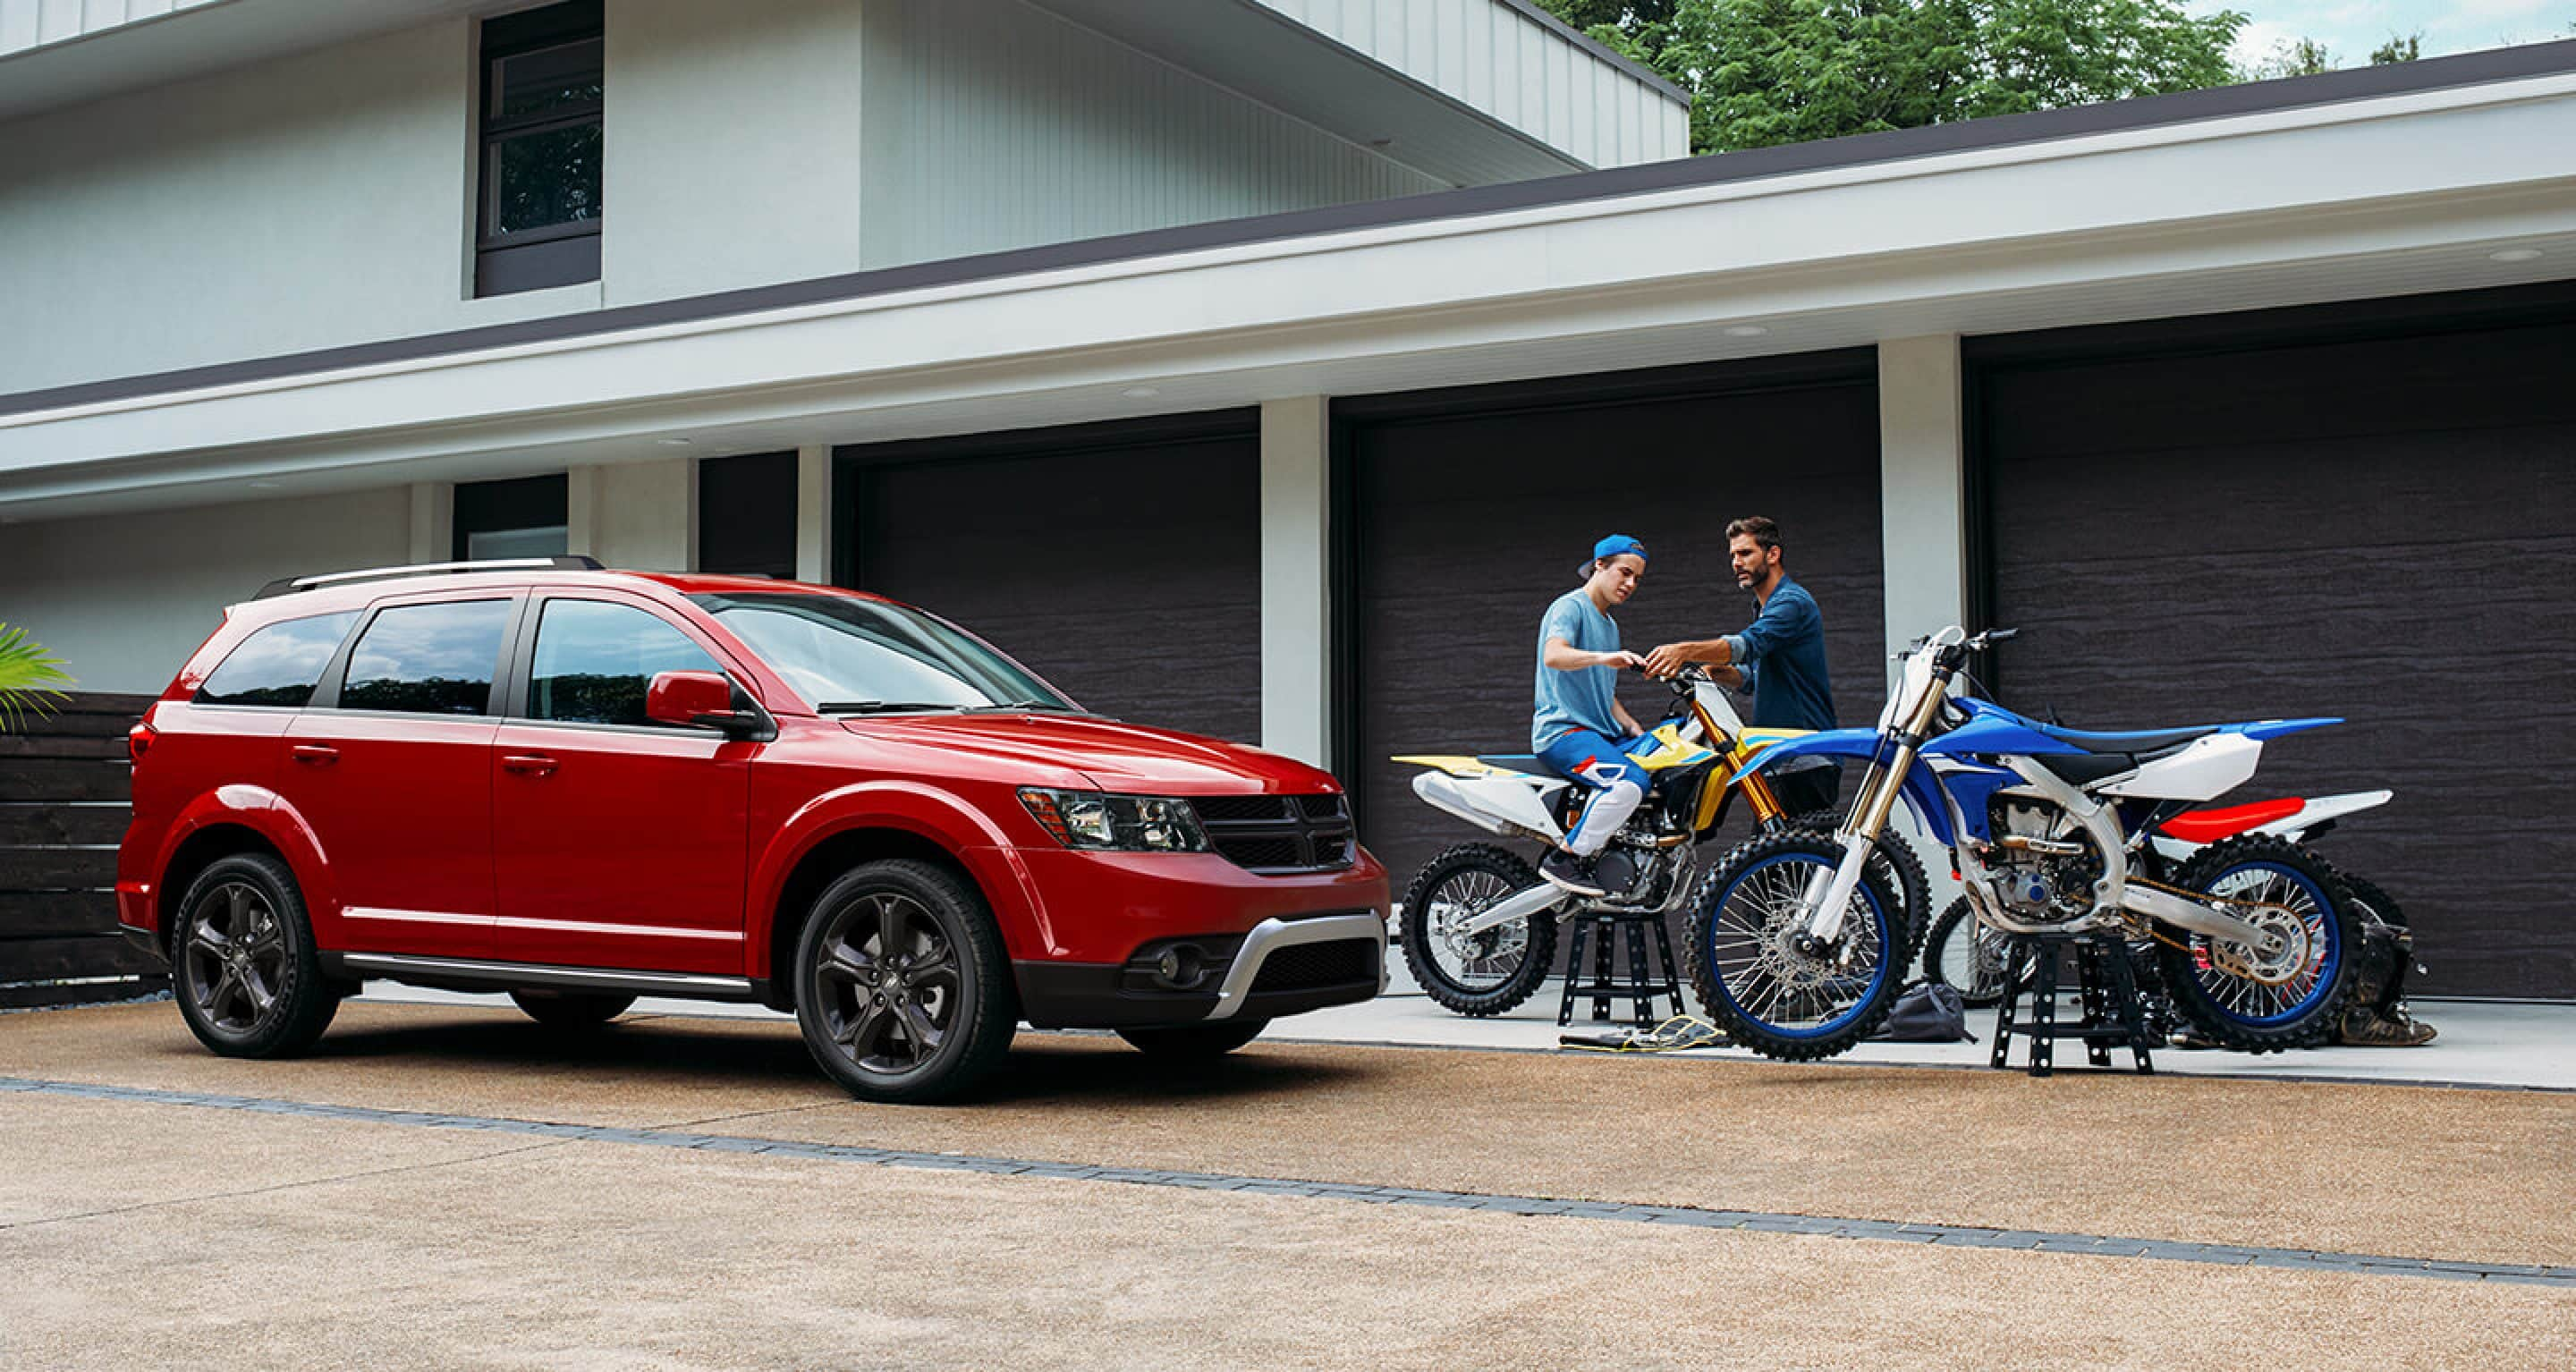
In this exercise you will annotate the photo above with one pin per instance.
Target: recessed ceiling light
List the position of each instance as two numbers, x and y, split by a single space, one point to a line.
1745 331
1140 392
672 442
2514 255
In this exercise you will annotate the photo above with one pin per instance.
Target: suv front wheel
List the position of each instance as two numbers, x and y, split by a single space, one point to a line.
242 961
901 986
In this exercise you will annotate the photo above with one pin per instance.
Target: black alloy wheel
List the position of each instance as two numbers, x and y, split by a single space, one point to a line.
243 964
902 989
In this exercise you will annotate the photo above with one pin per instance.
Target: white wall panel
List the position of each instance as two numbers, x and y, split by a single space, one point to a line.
1512 66
28 24
991 124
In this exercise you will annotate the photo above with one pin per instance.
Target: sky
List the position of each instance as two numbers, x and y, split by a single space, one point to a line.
2351 28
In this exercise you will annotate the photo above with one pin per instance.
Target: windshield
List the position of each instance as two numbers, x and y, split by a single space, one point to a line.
856 656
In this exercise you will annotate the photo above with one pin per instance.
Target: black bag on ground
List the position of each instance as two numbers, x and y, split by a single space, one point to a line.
1927 1012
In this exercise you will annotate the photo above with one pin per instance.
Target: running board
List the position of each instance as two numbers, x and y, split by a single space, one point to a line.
466 974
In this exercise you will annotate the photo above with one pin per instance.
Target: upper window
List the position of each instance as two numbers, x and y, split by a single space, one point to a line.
595 659
278 665
519 518
538 220
862 656
435 659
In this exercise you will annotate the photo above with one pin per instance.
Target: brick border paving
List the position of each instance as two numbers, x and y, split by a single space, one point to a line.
1937 1235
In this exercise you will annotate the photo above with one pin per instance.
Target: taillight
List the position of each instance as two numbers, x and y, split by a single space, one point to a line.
138 741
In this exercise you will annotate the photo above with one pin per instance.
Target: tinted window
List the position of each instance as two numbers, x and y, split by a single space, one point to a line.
594 660
428 659
277 665
871 654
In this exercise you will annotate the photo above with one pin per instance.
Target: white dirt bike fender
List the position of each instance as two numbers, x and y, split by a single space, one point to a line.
2209 768
1510 805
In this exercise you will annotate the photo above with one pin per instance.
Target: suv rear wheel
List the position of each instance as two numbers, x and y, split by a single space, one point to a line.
901 986
242 961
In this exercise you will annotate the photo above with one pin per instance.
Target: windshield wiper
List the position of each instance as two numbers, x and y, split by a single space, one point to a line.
1055 705
878 707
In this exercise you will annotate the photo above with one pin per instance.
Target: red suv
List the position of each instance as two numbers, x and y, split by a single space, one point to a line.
580 786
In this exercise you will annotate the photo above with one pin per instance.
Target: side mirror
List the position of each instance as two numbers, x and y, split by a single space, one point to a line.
698 700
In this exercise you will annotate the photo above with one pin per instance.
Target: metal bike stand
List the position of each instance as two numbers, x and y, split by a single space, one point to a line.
1600 929
2106 991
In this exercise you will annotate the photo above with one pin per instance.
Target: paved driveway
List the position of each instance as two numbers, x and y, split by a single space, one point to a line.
453 1186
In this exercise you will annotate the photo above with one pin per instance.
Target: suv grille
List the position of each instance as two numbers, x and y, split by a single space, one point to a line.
1277 835
1306 966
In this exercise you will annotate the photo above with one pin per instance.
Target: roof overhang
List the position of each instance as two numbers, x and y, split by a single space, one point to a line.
2410 192
107 52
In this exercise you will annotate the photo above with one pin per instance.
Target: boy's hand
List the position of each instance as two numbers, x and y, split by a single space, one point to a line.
1622 659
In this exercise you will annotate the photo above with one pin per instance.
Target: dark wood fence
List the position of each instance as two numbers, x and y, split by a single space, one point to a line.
63 808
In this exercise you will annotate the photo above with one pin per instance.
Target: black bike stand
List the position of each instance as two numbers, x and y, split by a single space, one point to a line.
1600 929
2106 989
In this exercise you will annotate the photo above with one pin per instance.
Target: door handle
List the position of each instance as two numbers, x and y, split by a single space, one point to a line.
533 764
315 754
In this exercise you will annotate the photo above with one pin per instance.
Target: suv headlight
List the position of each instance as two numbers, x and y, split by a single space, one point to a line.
1095 822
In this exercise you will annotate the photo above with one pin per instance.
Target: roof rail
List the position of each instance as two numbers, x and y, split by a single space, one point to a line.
290 585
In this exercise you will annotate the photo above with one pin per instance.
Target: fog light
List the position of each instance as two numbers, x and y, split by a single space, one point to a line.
1180 966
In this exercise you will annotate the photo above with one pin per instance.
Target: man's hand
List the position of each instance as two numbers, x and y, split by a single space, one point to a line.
1671 658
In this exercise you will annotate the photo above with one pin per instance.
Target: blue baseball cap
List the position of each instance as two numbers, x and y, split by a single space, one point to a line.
1614 546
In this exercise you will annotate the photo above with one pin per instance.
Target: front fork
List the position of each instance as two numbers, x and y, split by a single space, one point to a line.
1828 895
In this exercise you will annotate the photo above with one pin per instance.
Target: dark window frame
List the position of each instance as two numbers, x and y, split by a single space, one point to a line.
528 502
561 254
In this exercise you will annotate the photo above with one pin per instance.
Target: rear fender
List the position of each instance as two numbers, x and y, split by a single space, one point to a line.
1505 803
280 825
925 812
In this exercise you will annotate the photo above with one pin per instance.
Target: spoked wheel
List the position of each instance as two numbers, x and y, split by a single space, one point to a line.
1747 961
903 993
1896 864
2254 1001
246 976
1485 971
1967 957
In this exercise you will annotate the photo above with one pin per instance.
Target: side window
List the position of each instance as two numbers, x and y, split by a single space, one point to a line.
594 660
433 659
279 665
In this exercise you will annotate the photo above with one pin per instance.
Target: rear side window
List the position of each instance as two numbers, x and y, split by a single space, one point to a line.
279 665
595 659
435 659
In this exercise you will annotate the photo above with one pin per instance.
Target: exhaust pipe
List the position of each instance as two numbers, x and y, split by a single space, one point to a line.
1537 900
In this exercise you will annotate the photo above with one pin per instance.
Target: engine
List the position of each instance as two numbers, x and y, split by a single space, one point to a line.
2043 860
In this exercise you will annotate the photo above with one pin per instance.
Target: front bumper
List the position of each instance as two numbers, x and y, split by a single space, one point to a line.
1091 995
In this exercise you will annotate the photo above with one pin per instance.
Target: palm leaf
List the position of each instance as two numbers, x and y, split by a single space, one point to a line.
27 679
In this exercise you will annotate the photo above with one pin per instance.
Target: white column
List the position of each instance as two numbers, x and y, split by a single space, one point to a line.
1296 579
1922 462
814 513
433 521
638 515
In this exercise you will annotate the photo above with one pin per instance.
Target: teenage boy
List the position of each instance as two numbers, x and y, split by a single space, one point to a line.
1578 723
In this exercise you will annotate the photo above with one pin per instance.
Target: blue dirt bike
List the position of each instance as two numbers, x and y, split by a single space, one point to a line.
1797 947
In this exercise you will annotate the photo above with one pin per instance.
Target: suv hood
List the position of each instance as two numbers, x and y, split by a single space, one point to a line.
1116 756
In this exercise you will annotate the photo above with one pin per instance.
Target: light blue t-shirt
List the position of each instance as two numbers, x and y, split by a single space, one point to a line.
1578 699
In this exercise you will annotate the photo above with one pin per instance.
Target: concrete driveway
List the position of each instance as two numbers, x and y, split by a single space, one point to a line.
448 1186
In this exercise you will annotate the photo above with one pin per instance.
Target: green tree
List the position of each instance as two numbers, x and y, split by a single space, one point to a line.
2306 57
2399 48
1763 72
27 679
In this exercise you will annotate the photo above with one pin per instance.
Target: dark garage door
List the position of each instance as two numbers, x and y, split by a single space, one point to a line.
1123 564
2373 527
1475 509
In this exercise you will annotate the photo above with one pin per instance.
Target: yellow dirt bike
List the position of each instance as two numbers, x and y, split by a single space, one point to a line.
1479 926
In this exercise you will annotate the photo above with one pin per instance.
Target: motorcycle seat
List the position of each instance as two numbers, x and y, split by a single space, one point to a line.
1526 763
2149 742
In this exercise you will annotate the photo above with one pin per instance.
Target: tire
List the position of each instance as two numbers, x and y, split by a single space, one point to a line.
2369 902
1195 1042
1737 911
2275 871
1966 956
902 989
571 1009
1477 874
1897 863
242 963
